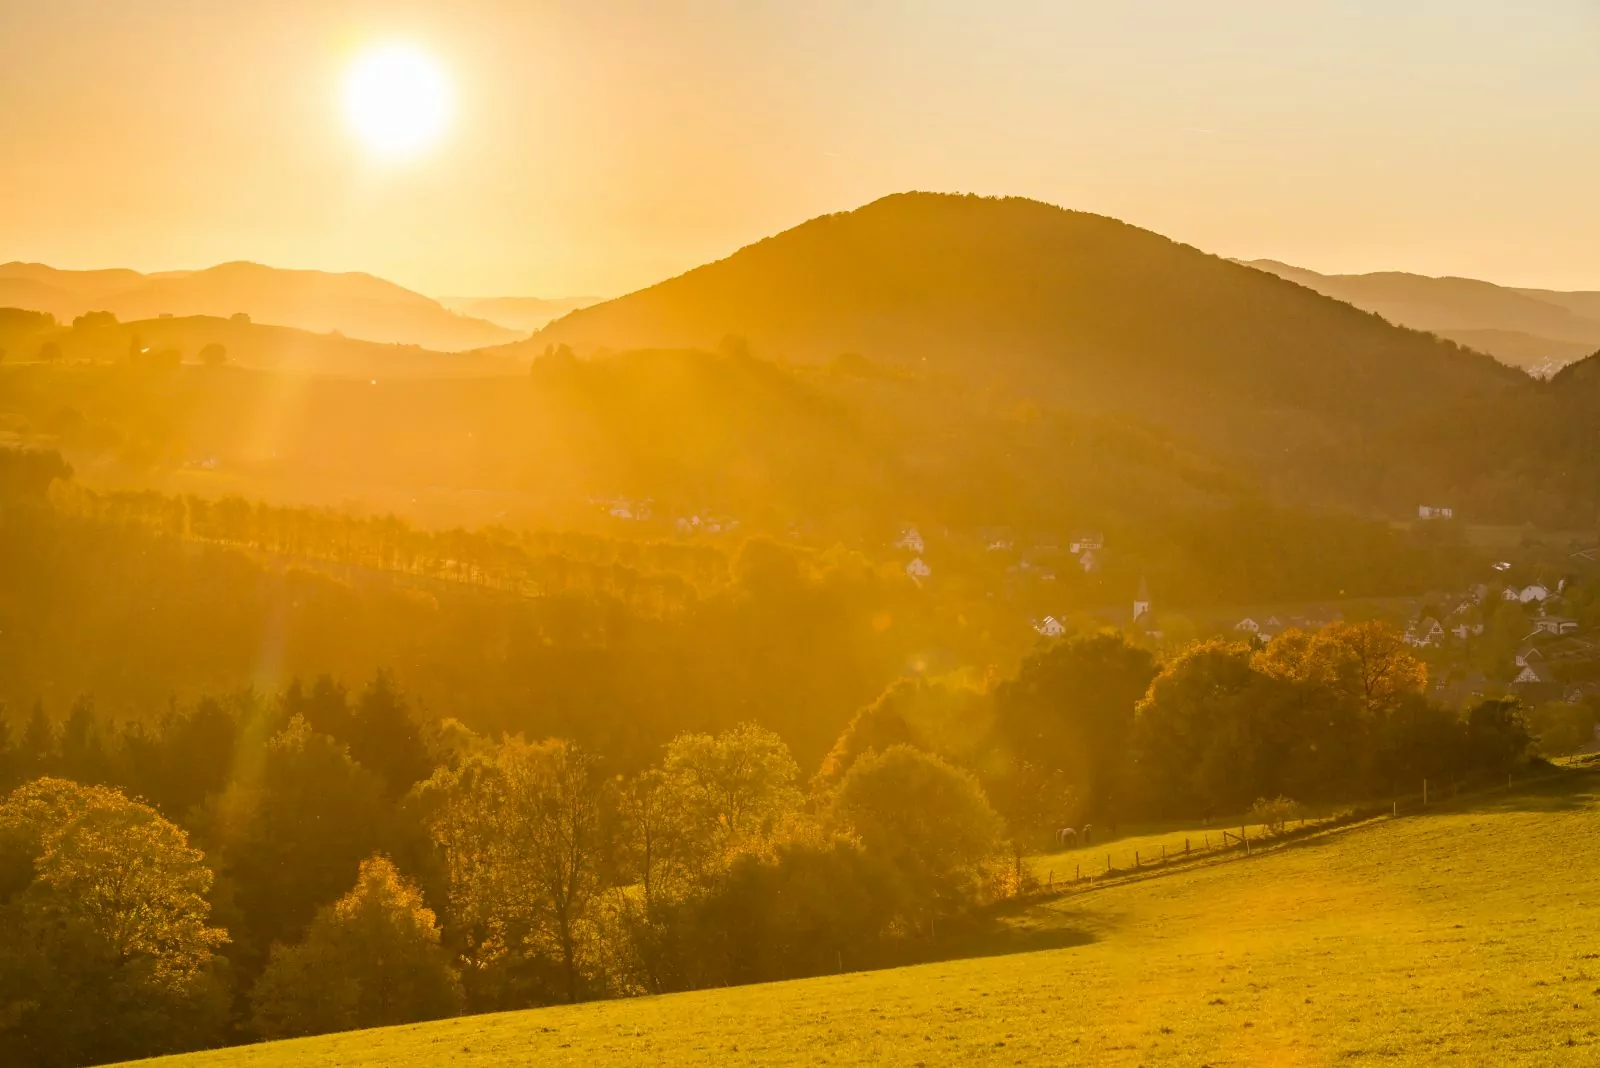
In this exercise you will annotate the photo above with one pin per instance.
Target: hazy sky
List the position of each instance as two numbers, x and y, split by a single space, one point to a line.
602 146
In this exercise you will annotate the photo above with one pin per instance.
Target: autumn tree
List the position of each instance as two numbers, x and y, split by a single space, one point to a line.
291 830
733 788
106 951
519 829
1371 664
1211 733
371 959
1069 714
927 819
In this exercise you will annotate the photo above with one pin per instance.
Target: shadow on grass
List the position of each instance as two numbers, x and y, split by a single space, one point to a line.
1005 928
1565 790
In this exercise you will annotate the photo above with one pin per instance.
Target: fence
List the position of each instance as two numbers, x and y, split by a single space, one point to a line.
1248 840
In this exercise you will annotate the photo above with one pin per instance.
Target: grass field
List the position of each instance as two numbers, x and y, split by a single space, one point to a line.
1466 936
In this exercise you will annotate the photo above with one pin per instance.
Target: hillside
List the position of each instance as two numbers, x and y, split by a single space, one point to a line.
357 305
1086 311
1535 329
522 314
27 337
1461 936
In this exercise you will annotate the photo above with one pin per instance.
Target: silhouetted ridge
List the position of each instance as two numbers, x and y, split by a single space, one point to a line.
1088 311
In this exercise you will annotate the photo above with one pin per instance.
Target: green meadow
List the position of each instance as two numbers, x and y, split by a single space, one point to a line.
1467 935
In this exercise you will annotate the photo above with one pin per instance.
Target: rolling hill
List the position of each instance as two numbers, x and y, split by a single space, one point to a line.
1460 936
24 337
1535 329
1080 310
357 305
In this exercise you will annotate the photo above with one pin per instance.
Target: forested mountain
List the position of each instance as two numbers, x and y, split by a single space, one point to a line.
358 305
1081 310
1537 329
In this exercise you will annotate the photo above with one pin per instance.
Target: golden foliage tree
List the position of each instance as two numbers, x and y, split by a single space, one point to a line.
519 827
371 959
105 948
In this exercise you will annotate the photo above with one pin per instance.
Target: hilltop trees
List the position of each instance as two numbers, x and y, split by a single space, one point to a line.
105 948
370 959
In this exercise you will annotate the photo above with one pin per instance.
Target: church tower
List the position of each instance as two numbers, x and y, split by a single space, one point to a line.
1141 603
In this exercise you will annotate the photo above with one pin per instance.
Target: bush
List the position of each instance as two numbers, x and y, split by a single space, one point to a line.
1275 813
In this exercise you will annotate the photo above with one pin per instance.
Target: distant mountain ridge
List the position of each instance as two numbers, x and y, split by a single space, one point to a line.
522 314
356 305
1539 330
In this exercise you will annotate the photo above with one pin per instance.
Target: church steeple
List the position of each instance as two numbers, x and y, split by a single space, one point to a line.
1141 601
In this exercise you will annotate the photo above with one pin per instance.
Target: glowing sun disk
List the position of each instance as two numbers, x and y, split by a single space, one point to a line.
397 100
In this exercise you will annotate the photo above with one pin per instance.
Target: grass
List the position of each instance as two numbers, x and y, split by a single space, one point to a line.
1466 936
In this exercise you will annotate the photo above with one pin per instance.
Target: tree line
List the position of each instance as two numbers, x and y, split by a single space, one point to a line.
321 859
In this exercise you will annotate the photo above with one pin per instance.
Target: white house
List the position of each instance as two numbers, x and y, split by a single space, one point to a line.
1086 542
1532 675
1555 625
1425 511
910 541
1536 592
1050 627
1247 626
917 569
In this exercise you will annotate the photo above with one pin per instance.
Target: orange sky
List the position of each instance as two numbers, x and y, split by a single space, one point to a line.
602 146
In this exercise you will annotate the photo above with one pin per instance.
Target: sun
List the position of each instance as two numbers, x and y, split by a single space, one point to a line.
397 99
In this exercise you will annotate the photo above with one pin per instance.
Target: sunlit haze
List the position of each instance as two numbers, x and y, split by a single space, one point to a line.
1011 532
600 147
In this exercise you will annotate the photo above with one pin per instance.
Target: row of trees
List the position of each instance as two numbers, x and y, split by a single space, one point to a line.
325 860
654 578
556 881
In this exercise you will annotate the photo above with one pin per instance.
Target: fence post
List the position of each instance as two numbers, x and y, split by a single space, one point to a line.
1108 862
1163 854
1424 793
1052 878
1135 858
1246 840
1077 872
